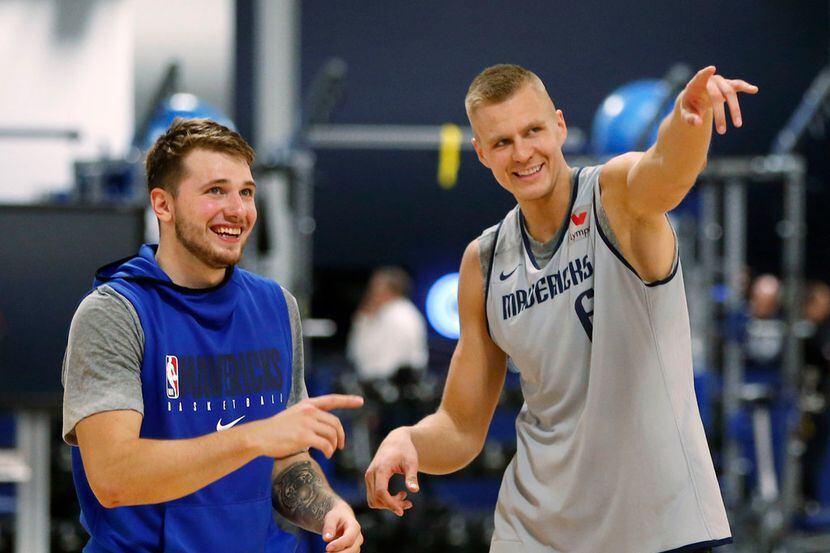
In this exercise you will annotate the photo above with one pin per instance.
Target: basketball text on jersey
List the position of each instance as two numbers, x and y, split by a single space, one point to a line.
547 287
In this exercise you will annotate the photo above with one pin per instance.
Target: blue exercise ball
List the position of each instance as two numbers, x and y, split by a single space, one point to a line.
624 115
183 105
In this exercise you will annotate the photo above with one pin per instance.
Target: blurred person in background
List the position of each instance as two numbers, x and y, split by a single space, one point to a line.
387 346
580 286
816 423
183 378
388 332
764 343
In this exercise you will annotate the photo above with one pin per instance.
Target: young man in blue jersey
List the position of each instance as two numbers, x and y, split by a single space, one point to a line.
183 378
580 286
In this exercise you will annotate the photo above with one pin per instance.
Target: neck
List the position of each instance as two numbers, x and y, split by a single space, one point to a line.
185 269
543 216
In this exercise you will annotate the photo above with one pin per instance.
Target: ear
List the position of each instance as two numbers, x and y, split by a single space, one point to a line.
162 203
479 152
563 128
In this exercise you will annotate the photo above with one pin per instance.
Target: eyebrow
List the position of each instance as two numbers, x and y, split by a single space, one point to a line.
532 124
226 181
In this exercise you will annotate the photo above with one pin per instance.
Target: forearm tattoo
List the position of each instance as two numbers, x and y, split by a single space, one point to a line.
300 495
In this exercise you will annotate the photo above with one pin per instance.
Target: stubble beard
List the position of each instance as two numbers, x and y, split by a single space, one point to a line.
217 258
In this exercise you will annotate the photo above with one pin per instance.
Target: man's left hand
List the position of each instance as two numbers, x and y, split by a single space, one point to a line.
341 530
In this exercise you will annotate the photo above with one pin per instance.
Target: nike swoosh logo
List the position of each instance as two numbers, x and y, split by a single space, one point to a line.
220 427
503 276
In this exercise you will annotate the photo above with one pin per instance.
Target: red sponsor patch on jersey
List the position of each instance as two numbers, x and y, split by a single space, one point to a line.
579 218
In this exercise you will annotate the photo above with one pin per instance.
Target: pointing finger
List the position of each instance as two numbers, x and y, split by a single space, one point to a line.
336 401
698 83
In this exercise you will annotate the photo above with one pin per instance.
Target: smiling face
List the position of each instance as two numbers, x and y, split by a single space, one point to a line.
520 140
213 212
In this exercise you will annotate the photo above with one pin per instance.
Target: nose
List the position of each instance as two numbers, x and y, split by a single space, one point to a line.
521 150
234 205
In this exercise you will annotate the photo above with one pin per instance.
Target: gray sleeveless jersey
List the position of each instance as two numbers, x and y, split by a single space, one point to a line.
611 454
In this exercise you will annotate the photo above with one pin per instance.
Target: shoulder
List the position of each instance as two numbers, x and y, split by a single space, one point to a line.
481 250
613 174
475 265
489 233
290 303
492 232
615 185
615 179
105 321
259 284
105 307
483 247
247 278
473 252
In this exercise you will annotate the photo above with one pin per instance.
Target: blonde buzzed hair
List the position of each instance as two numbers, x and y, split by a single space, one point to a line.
497 83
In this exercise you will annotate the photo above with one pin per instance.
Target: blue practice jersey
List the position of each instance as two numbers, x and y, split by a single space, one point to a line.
213 358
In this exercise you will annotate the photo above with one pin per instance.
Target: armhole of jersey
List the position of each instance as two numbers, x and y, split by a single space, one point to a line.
292 309
610 245
490 274
282 303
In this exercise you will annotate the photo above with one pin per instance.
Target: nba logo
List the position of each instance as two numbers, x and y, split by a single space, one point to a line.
171 369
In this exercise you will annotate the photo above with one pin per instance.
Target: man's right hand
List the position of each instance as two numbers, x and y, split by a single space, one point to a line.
396 455
306 424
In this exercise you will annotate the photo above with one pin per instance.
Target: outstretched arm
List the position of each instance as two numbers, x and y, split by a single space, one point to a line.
638 189
449 439
669 169
126 469
301 494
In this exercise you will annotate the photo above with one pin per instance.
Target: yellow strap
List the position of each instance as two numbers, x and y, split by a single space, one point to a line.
449 155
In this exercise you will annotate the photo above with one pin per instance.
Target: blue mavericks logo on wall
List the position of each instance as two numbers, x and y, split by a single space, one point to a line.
442 306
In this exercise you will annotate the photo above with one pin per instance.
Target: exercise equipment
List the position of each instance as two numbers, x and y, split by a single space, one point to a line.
629 118
628 112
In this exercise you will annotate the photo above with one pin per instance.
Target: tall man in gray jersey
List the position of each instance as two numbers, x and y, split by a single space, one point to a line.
580 285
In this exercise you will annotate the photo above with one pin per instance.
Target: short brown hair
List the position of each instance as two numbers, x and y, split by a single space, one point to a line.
164 160
498 83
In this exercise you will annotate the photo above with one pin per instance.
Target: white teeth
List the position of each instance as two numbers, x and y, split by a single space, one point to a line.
228 230
531 171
